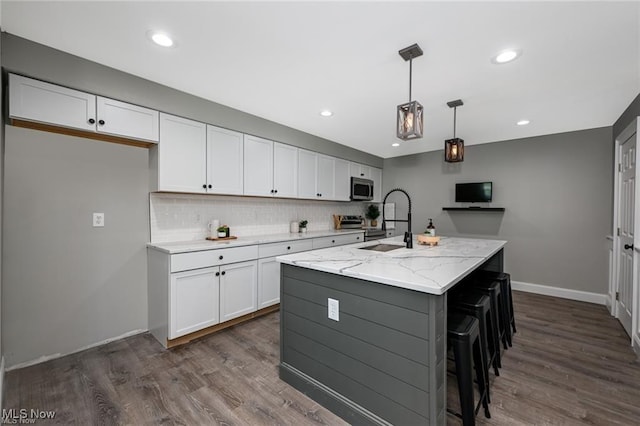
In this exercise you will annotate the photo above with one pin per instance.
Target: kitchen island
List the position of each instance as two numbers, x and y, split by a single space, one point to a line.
363 332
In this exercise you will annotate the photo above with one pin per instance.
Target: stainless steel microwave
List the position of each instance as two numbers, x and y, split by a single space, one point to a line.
361 189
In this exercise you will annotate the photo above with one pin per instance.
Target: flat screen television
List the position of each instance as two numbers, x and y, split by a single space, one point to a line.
476 192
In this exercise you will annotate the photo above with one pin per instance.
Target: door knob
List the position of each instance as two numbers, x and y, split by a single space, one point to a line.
628 246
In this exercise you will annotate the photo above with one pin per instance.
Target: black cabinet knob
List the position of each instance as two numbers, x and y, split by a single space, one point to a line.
101 122
628 246
272 191
333 241
92 121
217 274
221 257
357 238
204 186
210 186
223 272
275 191
288 247
361 174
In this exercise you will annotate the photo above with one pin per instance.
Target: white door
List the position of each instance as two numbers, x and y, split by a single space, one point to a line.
285 170
238 289
35 100
626 224
194 301
258 166
307 165
268 282
182 161
127 120
224 161
325 180
342 182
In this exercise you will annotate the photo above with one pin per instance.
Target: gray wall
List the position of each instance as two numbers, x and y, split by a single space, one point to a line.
38 61
556 190
67 285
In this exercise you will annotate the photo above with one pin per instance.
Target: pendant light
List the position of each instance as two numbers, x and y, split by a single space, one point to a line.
410 119
454 148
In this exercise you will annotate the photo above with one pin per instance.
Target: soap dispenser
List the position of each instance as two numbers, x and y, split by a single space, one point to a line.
431 230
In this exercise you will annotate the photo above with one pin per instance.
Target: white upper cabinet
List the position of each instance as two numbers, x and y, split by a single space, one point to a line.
182 155
342 180
271 168
307 166
376 177
285 170
35 100
126 120
325 180
258 168
224 161
359 170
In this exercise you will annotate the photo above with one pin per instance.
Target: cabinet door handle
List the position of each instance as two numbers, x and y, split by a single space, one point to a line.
221 257
357 238
210 186
272 191
627 246
275 191
101 122
204 186
217 274
288 247
92 121
224 272
361 174
333 241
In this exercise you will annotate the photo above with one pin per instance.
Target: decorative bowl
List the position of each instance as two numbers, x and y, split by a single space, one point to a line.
428 239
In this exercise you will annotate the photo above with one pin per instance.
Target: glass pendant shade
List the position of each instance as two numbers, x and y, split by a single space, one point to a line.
453 150
410 121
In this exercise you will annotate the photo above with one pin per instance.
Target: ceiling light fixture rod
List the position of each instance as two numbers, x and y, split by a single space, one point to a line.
408 53
454 104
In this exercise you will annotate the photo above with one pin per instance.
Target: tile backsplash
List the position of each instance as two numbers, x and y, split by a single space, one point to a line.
184 217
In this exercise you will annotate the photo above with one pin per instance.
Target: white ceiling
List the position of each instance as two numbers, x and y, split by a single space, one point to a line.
286 61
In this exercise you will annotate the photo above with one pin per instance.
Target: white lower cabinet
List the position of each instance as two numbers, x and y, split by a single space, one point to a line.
269 284
238 289
194 301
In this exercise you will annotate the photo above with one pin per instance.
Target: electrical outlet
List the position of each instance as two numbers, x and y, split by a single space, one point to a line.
98 220
333 307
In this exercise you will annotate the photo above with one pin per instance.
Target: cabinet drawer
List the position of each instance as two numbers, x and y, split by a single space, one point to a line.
287 247
337 240
207 258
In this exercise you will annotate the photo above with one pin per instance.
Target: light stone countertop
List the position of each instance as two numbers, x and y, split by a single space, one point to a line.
424 268
199 245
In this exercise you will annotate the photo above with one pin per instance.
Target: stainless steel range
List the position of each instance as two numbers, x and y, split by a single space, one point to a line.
355 222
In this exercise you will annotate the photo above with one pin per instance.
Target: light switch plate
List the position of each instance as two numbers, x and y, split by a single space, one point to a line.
333 307
98 220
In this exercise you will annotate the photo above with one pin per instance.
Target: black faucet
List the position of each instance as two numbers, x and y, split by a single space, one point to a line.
408 236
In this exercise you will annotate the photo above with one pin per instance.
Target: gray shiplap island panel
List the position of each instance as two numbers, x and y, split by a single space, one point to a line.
383 362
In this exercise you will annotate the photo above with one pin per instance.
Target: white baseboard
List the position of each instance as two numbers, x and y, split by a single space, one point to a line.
1 382
45 358
565 293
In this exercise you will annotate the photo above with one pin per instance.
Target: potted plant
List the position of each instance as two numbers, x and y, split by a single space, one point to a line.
303 225
223 231
372 213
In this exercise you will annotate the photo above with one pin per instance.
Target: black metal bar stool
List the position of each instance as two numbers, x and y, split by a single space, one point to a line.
463 336
479 306
494 290
505 286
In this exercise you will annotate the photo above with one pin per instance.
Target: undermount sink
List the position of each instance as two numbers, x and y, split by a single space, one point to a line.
382 247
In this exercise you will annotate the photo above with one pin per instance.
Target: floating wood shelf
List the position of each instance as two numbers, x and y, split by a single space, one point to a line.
475 209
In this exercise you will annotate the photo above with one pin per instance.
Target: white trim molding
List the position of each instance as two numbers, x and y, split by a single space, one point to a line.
565 293
1 382
46 358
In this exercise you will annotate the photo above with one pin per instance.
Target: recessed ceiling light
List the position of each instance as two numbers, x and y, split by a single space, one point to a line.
326 113
395 144
523 122
506 56
161 39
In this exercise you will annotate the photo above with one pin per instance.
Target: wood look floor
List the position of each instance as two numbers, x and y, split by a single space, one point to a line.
571 364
